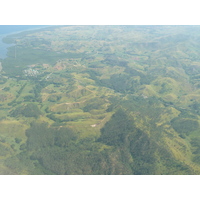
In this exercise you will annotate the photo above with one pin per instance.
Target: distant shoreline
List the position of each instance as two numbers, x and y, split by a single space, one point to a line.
4 46
17 30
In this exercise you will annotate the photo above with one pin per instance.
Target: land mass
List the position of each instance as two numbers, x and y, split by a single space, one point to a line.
101 100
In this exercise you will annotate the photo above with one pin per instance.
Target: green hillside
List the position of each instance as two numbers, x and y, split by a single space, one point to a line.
101 100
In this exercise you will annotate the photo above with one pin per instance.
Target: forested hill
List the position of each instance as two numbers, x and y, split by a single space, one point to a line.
101 100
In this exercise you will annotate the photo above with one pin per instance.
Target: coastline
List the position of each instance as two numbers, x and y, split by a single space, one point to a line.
4 46
0 66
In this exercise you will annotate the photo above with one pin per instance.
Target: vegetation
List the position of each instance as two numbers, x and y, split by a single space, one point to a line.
101 100
29 110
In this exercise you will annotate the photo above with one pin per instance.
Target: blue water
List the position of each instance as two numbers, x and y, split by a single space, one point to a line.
3 48
10 29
